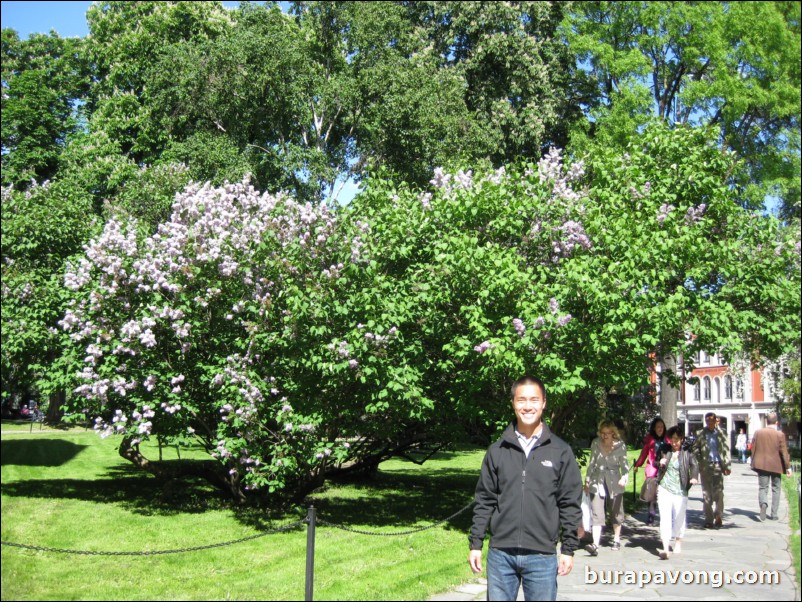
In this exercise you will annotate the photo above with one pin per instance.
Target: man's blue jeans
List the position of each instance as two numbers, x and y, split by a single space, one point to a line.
507 568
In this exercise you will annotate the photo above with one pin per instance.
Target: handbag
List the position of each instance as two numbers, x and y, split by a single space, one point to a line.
648 492
587 514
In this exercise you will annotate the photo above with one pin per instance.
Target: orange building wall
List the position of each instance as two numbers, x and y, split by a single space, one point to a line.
757 388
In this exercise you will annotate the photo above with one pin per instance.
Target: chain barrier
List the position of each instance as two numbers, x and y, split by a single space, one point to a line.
310 521
376 533
156 552
289 527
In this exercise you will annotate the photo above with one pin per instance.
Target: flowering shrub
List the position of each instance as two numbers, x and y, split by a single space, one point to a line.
177 327
294 341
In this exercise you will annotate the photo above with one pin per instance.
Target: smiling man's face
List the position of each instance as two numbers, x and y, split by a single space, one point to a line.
528 404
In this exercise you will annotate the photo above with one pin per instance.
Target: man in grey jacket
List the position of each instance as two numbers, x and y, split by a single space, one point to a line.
529 489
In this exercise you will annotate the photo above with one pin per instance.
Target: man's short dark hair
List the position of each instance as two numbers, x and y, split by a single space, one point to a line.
709 414
528 380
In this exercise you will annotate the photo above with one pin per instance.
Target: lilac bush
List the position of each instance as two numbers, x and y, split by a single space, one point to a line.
296 341
174 327
269 330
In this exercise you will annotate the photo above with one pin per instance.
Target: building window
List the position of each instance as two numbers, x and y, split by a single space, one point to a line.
697 391
705 358
728 387
707 388
739 389
718 390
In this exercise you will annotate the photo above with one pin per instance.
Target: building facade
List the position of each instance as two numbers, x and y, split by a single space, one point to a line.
740 398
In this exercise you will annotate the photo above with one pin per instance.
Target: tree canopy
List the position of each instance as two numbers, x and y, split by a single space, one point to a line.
731 65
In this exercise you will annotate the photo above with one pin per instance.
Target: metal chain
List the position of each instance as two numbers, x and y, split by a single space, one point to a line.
235 541
360 532
214 545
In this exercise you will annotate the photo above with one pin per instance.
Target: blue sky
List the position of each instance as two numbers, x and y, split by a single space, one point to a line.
67 18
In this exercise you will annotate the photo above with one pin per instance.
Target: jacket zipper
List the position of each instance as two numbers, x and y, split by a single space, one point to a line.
523 496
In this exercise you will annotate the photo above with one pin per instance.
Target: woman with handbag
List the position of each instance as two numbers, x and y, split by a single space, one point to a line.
678 471
650 454
606 479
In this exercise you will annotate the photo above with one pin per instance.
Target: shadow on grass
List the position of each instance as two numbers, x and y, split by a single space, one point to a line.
402 500
399 498
127 487
44 452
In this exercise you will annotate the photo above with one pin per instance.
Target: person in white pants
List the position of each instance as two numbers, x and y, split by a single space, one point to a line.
678 471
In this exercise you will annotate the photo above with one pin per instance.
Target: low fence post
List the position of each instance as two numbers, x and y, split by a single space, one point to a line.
310 553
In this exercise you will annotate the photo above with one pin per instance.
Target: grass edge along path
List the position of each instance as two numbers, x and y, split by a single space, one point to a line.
791 488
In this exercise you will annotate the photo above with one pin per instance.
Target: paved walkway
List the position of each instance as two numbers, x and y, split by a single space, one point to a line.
741 548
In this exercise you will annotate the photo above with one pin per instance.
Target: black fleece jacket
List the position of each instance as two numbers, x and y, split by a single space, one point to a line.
524 501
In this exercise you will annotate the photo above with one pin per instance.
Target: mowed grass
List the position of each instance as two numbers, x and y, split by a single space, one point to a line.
70 490
791 488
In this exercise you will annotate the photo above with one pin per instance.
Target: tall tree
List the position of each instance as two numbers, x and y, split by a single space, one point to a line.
516 70
127 38
43 80
731 65
308 100
41 228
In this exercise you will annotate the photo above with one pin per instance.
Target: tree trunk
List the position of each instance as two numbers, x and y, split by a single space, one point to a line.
209 470
54 411
669 393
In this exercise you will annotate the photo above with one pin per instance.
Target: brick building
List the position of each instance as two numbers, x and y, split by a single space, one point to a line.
739 400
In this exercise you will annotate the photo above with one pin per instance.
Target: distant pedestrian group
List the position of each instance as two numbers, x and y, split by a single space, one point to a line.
672 466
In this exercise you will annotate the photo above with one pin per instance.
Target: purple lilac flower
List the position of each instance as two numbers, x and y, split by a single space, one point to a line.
694 214
482 347
663 212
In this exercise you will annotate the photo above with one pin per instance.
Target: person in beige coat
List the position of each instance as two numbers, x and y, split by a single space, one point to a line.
770 459
606 480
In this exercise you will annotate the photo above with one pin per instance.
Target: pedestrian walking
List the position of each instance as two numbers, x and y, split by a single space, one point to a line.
740 445
606 480
713 455
678 471
770 459
649 458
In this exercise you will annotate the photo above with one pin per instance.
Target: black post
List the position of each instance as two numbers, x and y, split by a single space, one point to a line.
310 553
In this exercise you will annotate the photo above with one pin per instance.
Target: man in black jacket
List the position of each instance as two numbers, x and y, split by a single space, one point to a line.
529 488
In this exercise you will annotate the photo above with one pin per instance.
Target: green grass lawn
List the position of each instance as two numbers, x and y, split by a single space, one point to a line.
790 485
71 490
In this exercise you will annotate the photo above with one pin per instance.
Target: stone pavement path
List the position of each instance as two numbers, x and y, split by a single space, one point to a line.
739 550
